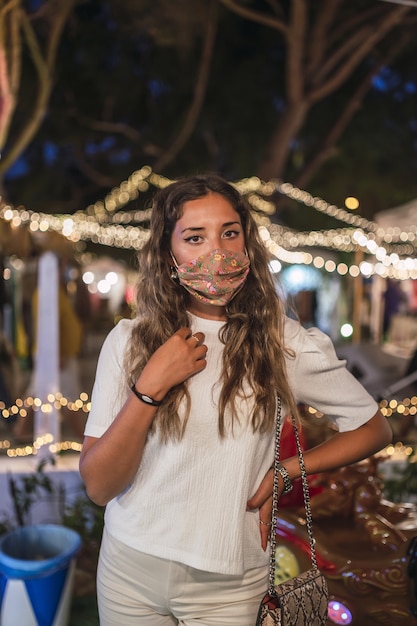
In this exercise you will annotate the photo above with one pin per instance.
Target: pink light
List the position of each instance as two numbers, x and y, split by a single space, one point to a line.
339 613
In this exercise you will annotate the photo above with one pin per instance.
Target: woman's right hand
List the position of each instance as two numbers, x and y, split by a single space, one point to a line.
105 470
181 356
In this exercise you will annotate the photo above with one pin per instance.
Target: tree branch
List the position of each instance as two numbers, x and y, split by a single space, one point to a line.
255 16
9 65
378 33
44 64
276 7
328 147
94 175
14 52
277 152
199 92
7 102
355 20
319 35
343 52
295 51
120 128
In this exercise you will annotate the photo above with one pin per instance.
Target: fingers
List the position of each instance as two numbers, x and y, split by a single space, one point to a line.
262 500
197 338
199 349
265 522
183 355
195 341
265 535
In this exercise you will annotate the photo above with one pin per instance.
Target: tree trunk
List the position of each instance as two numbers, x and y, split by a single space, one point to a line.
276 158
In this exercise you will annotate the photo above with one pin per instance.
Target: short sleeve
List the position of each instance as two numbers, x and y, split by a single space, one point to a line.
318 378
110 389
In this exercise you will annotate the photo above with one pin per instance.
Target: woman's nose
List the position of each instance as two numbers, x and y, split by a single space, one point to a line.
219 244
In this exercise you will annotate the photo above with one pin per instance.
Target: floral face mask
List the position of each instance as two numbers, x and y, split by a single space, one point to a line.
216 277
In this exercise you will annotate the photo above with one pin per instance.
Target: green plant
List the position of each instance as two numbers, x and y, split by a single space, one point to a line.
86 518
26 490
5 525
82 515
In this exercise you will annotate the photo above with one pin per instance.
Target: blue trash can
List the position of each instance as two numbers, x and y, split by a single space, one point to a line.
36 575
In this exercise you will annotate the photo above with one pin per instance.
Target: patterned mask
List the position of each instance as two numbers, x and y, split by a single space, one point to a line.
216 277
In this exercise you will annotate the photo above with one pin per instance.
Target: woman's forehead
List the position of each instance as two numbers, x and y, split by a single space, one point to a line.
207 209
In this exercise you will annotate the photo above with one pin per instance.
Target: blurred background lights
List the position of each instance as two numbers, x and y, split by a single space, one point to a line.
351 203
339 613
67 227
103 286
88 278
112 278
366 268
275 266
330 265
101 224
300 277
346 330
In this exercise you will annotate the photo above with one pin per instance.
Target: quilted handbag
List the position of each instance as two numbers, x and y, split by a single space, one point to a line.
302 600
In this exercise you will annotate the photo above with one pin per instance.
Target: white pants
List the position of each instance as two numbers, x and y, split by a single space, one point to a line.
134 588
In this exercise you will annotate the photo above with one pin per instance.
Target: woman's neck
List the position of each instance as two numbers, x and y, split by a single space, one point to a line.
207 311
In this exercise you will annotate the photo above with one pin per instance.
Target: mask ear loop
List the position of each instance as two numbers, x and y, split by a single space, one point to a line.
173 268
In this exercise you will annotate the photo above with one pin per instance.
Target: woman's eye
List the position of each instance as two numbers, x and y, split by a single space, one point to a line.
193 239
231 233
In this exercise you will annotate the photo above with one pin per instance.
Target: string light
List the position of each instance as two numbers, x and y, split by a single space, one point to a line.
32 449
392 248
99 221
57 401
389 408
103 222
407 3
20 409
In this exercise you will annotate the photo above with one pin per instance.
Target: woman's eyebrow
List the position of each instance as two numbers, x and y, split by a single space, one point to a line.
225 225
193 228
231 223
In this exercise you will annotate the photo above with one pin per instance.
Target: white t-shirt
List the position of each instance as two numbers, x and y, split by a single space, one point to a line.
187 502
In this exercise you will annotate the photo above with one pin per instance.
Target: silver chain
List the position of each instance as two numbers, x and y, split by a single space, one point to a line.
306 496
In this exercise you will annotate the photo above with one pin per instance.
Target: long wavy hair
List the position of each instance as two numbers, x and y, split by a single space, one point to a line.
254 352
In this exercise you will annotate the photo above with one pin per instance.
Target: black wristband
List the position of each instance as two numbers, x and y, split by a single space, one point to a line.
144 398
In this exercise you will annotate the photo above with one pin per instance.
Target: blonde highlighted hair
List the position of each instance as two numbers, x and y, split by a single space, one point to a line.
254 352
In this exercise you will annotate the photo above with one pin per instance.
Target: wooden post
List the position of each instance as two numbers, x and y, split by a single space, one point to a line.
377 308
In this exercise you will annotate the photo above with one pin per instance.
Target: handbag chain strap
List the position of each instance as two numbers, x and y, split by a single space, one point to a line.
306 496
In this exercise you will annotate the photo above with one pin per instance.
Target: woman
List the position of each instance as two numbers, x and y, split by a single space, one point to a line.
180 437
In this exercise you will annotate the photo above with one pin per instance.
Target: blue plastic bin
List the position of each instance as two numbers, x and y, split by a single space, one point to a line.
36 575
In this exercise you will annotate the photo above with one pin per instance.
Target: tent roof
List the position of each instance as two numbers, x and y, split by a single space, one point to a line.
403 216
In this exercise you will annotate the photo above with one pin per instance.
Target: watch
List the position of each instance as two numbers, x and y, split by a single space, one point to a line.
286 478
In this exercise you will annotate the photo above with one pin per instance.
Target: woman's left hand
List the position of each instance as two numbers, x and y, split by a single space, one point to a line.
343 448
262 500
